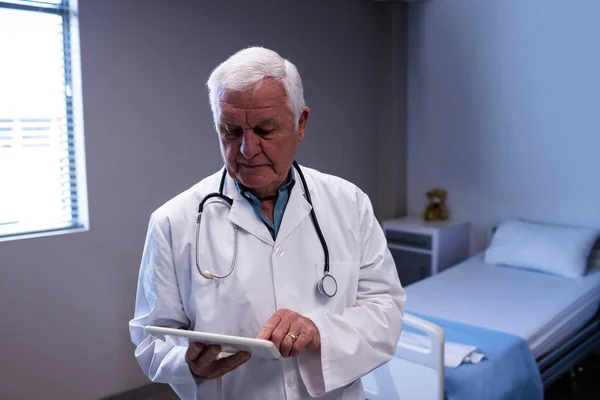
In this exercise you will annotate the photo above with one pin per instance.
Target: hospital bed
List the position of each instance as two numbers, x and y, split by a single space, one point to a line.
558 318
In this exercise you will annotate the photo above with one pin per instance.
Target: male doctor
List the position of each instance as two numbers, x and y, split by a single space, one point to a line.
329 339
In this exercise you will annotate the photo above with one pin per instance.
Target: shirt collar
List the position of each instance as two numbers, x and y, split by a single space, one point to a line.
247 194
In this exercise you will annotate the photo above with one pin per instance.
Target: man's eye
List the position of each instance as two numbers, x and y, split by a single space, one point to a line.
262 131
232 131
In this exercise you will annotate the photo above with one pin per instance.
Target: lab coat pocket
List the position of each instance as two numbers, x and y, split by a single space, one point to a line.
346 276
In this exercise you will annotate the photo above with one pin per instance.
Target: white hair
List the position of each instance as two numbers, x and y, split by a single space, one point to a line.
247 69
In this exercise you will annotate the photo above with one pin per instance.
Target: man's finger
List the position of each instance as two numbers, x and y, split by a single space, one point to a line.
193 352
270 325
301 343
278 335
303 331
193 358
227 364
288 342
208 356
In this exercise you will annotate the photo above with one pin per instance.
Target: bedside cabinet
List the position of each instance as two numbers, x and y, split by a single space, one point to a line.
421 249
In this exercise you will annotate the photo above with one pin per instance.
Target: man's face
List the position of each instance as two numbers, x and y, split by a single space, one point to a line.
257 136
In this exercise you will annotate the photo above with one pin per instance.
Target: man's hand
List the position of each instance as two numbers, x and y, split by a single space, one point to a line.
204 362
291 333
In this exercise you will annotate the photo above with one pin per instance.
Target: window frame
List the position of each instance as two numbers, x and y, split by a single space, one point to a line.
67 9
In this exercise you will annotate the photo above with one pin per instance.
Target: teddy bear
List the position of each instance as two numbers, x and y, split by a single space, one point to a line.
436 209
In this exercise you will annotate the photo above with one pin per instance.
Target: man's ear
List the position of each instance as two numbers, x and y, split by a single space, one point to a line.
302 121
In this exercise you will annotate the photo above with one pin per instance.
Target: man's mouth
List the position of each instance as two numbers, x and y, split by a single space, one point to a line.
254 166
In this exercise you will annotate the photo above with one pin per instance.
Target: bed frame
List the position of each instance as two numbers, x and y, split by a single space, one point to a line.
414 370
560 360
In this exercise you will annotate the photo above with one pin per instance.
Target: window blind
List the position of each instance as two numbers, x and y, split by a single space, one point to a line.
38 164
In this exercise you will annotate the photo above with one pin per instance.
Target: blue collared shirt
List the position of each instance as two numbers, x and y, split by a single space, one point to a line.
283 195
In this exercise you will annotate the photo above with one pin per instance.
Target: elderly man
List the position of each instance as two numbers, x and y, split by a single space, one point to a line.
281 252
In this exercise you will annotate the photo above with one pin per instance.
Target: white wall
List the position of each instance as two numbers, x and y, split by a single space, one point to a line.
504 109
149 135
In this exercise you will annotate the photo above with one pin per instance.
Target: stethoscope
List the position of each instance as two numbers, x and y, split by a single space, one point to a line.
327 285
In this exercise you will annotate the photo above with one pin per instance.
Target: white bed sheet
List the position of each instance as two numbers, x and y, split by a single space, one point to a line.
542 309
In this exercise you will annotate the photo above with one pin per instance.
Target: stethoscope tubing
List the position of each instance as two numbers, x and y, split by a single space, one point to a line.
209 275
314 218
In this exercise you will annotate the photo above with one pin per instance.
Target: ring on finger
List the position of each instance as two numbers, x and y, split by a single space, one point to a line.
292 336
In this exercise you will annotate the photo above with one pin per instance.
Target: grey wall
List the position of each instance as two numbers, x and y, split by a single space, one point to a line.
65 300
391 156
503 109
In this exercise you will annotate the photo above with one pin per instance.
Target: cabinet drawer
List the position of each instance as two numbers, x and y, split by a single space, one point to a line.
408 239
411 266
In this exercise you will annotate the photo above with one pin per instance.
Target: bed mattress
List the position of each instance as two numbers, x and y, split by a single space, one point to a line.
542 309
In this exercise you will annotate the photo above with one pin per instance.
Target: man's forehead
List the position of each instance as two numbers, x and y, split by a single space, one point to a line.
242 119
261 115
267 94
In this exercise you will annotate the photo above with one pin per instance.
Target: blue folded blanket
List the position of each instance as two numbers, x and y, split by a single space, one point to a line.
508 371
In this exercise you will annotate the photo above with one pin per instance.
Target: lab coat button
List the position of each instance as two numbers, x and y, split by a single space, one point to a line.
292 381
278 251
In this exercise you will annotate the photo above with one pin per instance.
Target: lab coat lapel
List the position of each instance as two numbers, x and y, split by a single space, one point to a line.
296 211
243 215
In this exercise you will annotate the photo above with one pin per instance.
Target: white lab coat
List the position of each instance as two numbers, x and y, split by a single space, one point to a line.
360 326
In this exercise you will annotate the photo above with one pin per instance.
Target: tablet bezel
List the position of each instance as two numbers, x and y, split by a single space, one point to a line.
256 347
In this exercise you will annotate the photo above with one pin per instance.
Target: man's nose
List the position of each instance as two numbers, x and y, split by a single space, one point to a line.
250 146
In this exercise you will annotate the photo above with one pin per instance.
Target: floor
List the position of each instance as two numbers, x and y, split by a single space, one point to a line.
168 395
585 387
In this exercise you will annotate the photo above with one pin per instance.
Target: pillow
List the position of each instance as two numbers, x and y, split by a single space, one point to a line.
553 249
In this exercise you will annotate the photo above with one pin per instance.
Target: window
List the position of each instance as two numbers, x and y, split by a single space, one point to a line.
42 168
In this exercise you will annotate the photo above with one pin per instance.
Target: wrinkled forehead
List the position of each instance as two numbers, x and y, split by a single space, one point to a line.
267 100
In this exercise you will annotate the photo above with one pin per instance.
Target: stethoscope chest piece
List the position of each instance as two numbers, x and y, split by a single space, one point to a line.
327 285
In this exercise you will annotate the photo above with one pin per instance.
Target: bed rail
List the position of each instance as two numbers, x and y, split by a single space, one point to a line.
412 369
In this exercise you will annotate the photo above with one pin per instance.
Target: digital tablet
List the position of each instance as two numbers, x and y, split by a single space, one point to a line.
230 344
